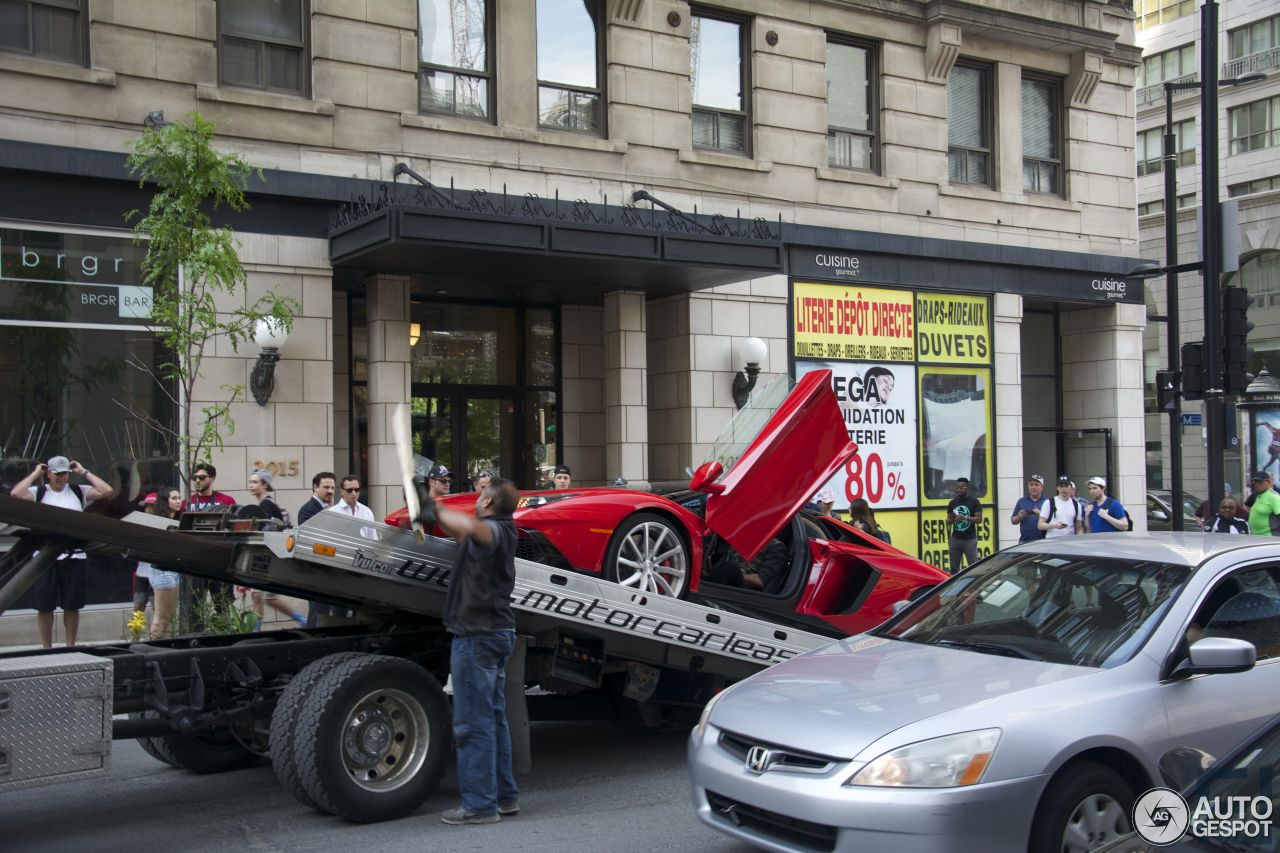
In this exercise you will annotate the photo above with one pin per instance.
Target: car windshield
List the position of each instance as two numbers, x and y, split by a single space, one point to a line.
747 422
1085 611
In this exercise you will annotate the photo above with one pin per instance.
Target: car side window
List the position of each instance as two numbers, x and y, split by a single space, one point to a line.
1243 606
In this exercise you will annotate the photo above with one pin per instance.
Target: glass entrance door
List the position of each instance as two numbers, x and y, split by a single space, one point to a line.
467 433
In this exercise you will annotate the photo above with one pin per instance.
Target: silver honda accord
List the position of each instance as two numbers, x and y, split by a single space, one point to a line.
1023 705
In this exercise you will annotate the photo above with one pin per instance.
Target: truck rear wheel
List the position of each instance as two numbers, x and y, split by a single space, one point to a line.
284 723
154 746
372 738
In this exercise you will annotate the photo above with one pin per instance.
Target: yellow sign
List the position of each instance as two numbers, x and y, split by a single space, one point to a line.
935 538
955 432
850 322
904 529
953 329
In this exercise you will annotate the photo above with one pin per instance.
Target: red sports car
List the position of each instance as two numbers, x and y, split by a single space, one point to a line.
779 449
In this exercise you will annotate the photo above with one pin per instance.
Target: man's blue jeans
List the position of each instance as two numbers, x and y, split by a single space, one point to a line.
478 669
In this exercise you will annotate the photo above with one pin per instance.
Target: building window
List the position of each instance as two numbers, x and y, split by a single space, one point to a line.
851 106
1261 185
721 121
1151 13
262 44
1255 126
455 74
1151 147
1168 65
49 29
1041 135
1147 208
969 125
1255 38
570 51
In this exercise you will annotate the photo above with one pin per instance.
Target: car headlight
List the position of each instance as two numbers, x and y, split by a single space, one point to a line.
944 762
701 728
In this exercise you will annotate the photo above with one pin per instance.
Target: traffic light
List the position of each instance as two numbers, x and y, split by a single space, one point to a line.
1166 389
1193 377
1235 332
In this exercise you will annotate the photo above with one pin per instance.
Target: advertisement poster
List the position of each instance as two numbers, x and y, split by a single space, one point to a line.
903 527
953 329
878 403
955 429
934 549
1266 441
850 322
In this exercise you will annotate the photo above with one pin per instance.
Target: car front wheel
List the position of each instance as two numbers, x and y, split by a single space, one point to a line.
649 554
1084 809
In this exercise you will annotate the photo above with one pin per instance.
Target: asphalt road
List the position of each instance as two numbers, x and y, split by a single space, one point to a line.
594 787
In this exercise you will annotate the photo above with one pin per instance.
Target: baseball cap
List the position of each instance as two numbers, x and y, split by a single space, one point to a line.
1098 481
563 469
1260 475
825 496
619 481
263 475
1064 480
150 499
438 472
59 464
1039 479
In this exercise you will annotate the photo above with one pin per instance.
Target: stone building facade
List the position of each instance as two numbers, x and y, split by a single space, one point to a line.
905 147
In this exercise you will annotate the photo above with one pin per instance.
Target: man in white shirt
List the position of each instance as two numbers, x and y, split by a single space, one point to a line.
350 500
1060 515
62 585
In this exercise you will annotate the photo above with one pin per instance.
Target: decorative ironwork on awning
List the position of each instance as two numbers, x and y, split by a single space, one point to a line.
564 244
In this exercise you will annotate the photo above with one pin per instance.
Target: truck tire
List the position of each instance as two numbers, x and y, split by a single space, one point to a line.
154 746
212 751
284 719
372 739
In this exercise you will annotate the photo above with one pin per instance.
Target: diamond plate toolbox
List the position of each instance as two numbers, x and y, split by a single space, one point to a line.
55 719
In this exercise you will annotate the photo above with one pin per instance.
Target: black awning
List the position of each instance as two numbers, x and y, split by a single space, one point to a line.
545 250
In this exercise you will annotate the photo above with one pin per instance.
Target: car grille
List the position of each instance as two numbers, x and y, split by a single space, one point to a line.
780 758
812 836
529 549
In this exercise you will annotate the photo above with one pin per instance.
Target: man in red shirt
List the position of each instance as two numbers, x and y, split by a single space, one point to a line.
202 494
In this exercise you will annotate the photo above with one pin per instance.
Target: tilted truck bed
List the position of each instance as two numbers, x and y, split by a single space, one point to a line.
384 570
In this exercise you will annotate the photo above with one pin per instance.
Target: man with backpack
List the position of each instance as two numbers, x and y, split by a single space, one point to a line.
1105 514
62 585
1060 515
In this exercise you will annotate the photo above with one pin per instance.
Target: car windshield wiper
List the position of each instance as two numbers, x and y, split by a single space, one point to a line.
990 648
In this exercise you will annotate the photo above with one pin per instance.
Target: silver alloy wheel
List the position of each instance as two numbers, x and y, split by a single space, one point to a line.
384 740
1099 819
655 557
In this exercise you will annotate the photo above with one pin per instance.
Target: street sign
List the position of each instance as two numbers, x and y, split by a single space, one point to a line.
1190 420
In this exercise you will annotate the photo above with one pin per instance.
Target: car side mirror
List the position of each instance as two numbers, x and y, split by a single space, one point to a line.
1158 515
704 479
1182 765
1217 655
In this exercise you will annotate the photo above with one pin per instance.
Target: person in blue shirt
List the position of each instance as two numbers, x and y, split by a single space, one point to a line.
1106 514
1026 512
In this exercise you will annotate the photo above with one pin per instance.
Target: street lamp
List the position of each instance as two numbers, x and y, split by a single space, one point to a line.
1211 263
751 352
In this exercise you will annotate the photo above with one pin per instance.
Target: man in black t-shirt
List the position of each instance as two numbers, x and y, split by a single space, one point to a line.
963 514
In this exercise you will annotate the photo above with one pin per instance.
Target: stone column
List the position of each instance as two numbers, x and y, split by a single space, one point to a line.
389 378
1007 337
626 403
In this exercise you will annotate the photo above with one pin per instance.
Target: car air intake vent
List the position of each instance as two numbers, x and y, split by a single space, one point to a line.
801 833
779 758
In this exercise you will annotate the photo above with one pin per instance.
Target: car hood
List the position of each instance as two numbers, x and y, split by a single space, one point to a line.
839 699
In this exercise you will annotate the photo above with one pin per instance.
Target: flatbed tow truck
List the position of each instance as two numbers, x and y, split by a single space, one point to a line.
354 719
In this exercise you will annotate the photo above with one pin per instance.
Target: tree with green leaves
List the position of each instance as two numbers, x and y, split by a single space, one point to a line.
197 284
